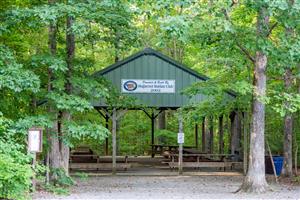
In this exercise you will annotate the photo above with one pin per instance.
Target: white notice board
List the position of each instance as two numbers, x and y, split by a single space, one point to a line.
180 138
35 137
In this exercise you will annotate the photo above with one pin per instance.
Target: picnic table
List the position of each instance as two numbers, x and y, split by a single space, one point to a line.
161 148
102 162
203 160
83 158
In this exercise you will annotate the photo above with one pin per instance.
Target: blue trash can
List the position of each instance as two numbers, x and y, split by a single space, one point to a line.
278 162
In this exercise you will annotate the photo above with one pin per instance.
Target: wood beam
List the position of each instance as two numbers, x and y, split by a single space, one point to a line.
221 135
203 136
196 136
180 158
152 134
245 159
106 139
114 141
211 134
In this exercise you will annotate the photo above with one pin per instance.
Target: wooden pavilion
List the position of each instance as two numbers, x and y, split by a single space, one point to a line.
156 82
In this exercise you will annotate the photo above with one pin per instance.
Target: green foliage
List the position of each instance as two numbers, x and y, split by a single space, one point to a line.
215 38
79 131
166 137
15 177
55 64
13 76
71 102
63 180
296 179
56 189
83 176
24 124
284 103
15 168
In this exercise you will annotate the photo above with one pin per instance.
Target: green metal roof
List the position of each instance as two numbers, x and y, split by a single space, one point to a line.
152 65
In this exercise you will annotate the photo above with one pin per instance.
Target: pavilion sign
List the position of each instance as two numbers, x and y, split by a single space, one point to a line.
147 86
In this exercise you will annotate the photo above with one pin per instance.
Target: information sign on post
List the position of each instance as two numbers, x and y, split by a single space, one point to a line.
180 138
35 136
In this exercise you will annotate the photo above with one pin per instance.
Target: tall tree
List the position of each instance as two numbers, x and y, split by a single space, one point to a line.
53 158
288 118
255 180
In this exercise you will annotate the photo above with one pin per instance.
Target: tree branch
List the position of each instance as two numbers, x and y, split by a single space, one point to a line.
242 48
246 52
271 28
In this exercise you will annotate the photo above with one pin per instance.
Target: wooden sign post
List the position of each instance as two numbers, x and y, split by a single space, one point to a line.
35 138
180 140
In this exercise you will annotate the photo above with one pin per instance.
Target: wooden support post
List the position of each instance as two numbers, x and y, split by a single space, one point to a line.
180 158
203 136
106 139
196 136
211 133
232 132
152 134
114 141
33 168
221 135
272 162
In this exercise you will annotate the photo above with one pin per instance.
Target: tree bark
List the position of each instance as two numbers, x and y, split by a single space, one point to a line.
161 123
52 157
236 134
233 133
255 180
66 115
287 169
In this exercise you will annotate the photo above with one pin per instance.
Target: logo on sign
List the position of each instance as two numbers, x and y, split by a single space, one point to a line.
130 85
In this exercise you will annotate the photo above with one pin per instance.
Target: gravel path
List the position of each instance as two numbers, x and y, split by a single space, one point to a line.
168 187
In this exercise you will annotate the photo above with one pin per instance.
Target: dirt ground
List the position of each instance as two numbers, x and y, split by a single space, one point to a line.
168 187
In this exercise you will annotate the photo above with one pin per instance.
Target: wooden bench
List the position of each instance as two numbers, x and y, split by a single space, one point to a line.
100 162
160 148
223 163
97 166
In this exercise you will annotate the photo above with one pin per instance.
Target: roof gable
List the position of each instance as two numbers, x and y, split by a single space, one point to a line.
150 51
151 67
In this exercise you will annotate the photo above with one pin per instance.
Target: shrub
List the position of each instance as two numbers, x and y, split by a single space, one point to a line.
15 177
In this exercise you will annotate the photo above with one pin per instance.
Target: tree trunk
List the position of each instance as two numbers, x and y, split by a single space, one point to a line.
232 118
296 144
66 115
52 157
162 120
236 134
117 45
287 169
255 180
